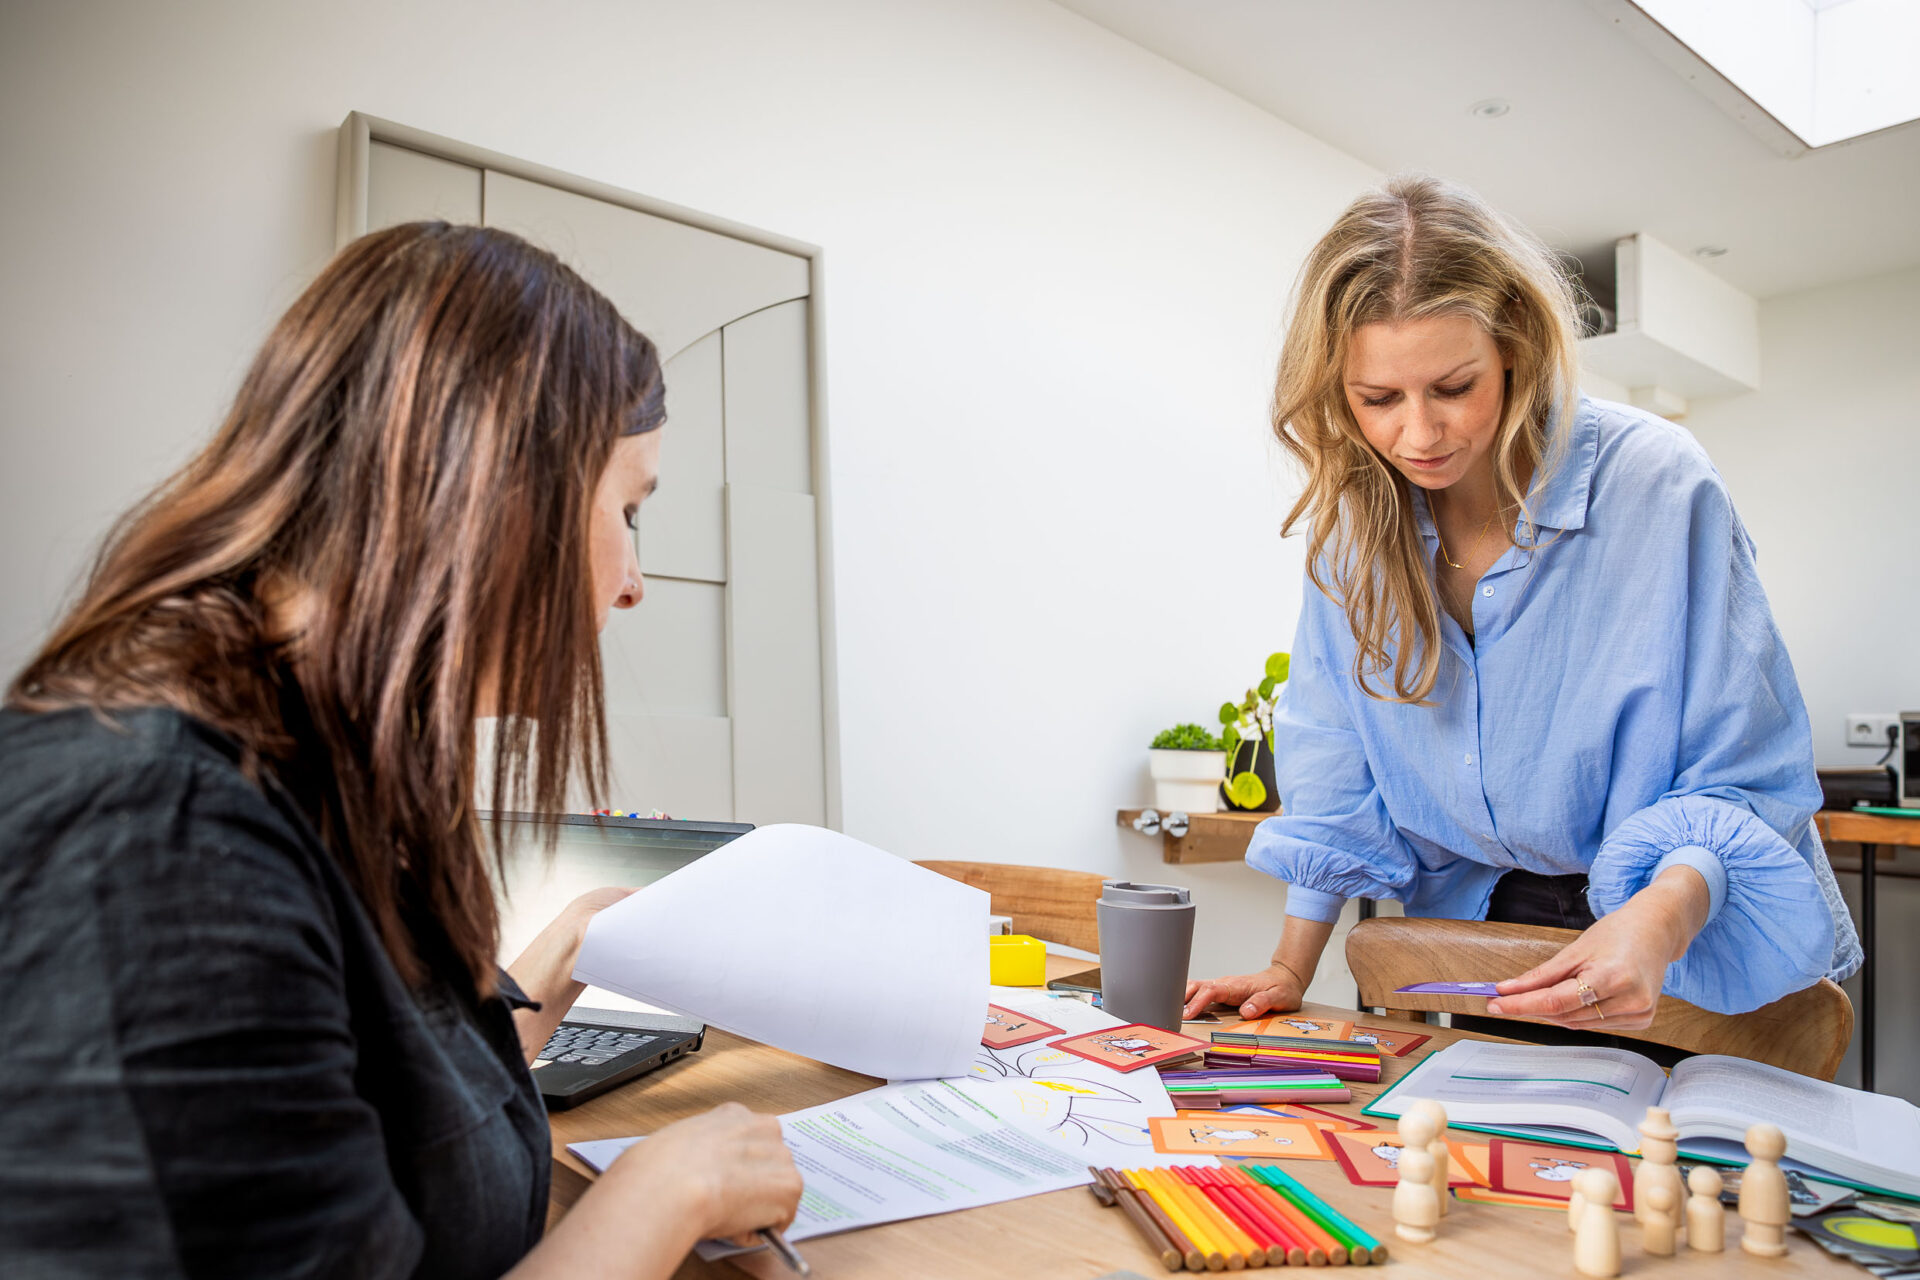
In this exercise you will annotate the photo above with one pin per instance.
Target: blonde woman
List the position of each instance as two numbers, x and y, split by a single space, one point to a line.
1535 677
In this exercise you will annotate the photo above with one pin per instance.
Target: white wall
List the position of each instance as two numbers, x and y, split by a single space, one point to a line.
1823 467
1823 462
1055 269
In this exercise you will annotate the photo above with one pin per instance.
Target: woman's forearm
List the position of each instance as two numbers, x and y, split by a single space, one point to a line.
545 972
1299 949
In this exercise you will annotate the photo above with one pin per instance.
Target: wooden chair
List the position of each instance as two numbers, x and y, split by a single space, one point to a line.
1805 1032
1045 902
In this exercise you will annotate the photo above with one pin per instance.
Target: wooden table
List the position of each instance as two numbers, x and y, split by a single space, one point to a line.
1869 831
1064 1235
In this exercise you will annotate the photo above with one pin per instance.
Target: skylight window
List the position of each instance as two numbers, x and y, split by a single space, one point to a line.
1827 70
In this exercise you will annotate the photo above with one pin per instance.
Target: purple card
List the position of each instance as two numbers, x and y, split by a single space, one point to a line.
1448 989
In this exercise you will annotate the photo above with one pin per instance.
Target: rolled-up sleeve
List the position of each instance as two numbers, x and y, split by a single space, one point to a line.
1743 793
1333 838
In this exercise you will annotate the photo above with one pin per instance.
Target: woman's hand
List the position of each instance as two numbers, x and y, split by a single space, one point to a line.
1275 989
725 1174
1622 958
731 1168
545 969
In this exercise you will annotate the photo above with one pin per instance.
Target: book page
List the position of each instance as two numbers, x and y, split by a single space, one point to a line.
1604 1092
1867 1136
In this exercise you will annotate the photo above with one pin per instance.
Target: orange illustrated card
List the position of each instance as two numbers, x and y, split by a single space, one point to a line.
1296 1111
1481 1195
1373 1160
1005 1028
1293 1024
1131 1047
1472 1157
1237 1134
1391 1044
1544 1169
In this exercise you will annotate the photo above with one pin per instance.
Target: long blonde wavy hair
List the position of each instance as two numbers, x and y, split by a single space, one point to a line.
1414 249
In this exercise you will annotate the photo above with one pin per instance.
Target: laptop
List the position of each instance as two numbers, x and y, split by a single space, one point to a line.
595 1050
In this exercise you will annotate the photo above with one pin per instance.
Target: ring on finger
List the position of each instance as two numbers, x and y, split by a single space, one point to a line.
1588 996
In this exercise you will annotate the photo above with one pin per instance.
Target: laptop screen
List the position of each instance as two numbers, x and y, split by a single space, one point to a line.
588 853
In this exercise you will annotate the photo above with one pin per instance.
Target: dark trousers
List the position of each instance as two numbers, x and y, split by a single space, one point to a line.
1521 897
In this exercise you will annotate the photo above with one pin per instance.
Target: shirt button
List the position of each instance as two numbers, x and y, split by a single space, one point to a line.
1469 757
1487 592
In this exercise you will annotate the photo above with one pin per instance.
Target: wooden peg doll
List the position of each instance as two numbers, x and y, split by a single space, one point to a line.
1438 1149
1416 1210
1661 1221
1596 1242
1763 1193
1706 1217
1657 1155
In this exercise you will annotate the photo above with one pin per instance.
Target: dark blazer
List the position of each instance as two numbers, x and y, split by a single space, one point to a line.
208 1066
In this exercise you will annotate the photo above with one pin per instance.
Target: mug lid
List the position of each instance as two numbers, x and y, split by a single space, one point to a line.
1124 893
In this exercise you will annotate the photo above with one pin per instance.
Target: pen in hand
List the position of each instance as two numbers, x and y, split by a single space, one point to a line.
788 1254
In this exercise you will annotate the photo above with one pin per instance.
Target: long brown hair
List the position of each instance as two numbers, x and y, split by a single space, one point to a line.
1415 248
412 458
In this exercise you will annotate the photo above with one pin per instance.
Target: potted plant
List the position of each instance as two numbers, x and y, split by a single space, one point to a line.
1187 764
1244 727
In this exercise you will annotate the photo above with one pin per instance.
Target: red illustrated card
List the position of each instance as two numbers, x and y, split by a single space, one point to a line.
1391 1044
1005 1028
1237 1135
1545 1169
1373 1160
1131 1047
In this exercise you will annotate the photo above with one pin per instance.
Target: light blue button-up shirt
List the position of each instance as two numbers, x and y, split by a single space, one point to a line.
1626 705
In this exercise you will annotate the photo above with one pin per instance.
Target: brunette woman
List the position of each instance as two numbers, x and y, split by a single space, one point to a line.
255 1025
1535 677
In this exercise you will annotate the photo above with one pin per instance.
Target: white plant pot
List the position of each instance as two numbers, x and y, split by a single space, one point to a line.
1187 781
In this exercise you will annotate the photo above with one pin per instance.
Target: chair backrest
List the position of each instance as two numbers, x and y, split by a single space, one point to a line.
1045 902
1805 1032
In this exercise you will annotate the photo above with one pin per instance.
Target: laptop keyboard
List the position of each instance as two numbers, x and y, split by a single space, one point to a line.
592 1045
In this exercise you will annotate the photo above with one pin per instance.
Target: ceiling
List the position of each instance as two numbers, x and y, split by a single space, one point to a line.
1602 138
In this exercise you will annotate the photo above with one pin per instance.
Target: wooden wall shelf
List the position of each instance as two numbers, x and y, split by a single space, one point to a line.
1211 837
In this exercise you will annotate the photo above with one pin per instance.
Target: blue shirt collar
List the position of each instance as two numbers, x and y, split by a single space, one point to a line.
1559 498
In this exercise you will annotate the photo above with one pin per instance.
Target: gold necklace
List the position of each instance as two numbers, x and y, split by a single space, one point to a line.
1470 550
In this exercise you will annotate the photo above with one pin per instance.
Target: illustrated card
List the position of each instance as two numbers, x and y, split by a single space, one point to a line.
1391 1044
1472 1157
1005 1028
1373 1160
1237 1134
1131 1047
1804 1194
1293 1024
1485 1195
1546 1169
1449 989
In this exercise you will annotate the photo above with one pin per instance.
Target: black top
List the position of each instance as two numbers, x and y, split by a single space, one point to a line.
208 1065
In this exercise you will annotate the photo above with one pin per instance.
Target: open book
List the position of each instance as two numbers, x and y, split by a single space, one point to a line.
1591 1097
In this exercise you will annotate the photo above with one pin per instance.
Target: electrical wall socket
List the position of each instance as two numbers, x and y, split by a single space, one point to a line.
1870 729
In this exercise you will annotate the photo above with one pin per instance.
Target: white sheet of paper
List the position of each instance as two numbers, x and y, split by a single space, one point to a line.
905 1151
785 935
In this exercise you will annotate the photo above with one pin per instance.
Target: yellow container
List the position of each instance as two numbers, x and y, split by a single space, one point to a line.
1015 960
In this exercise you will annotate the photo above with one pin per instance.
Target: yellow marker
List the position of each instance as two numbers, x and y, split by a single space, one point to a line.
1199 1224
1016 960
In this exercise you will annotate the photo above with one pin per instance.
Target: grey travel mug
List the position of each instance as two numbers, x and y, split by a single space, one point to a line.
1146 939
